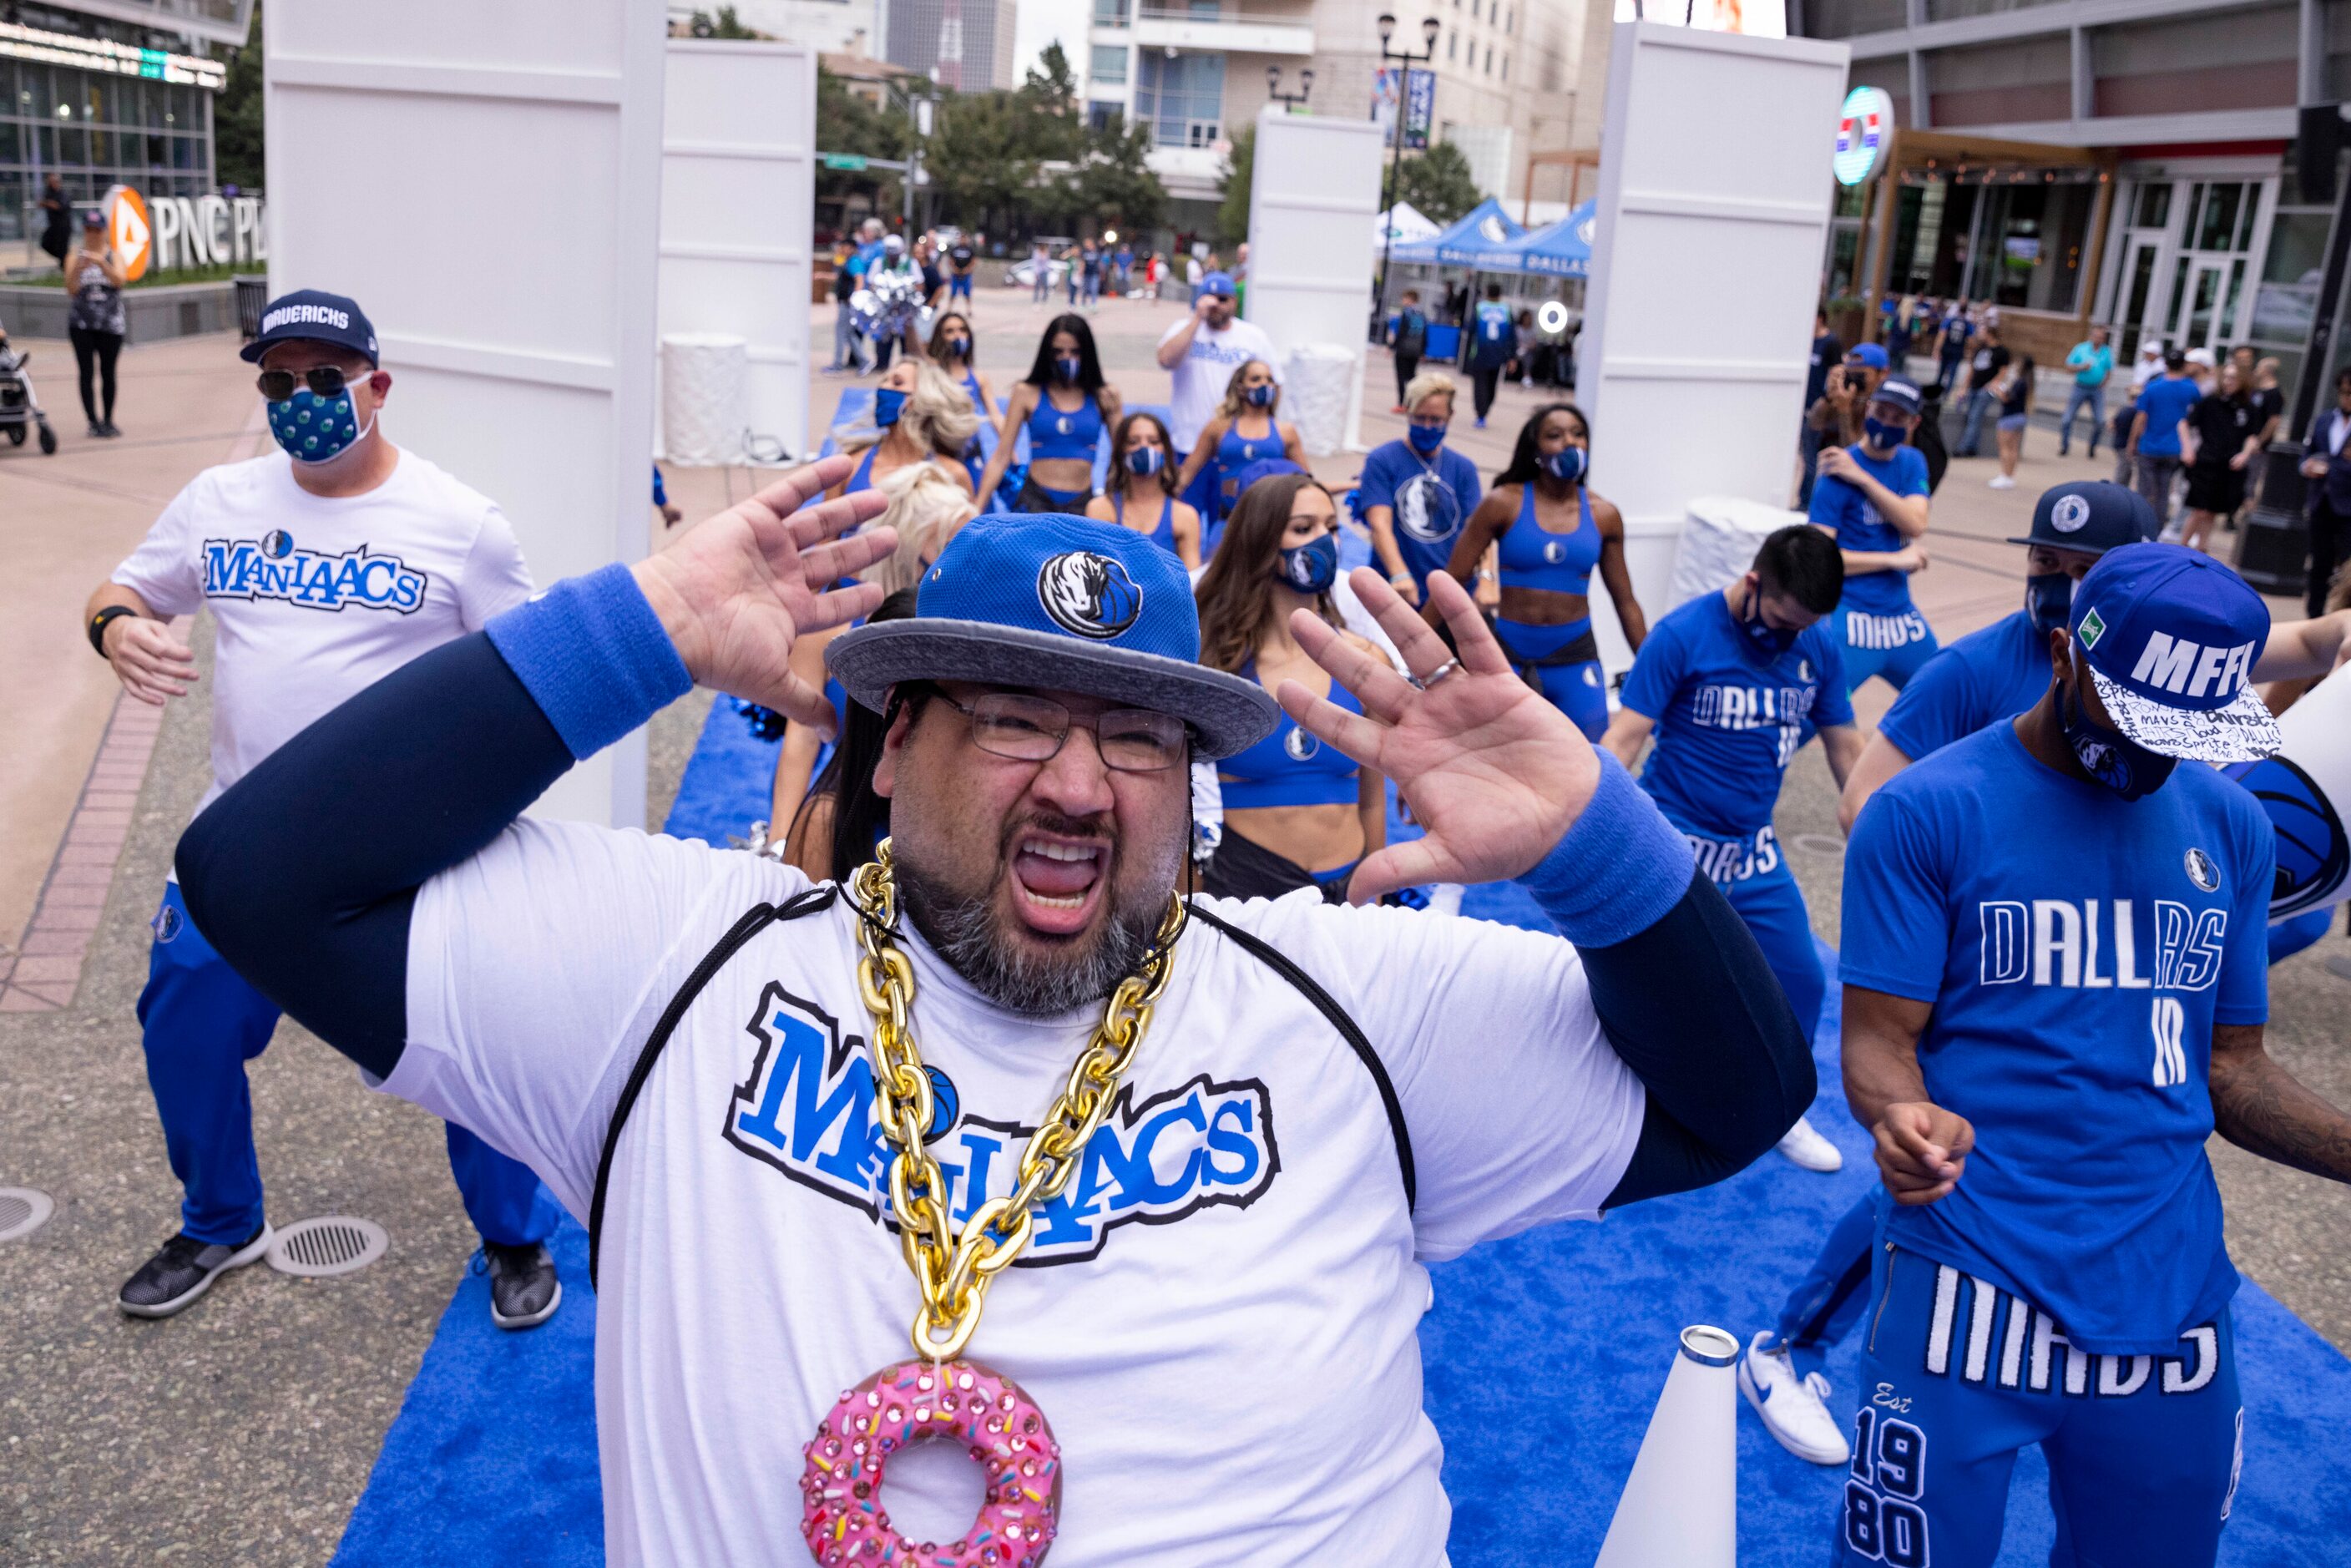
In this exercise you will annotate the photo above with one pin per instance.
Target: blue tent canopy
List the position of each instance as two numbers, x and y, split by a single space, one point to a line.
1562 250
1484 228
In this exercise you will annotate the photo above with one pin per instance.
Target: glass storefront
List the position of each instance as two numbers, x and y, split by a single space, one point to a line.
94 130
2017 238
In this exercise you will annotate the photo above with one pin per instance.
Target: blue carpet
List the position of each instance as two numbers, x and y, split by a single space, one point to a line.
491 1457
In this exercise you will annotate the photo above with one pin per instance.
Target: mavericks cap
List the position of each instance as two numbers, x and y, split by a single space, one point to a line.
313 316
91 218
2171 636
1058 603
1895 393
1218 283
1869 356
2092 516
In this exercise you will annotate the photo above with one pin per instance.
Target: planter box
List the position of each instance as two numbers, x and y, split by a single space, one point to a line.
174 310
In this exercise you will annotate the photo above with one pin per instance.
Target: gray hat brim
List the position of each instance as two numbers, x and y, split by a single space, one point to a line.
1227 714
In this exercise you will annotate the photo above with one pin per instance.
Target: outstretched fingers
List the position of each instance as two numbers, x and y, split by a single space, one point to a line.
800 485
812 525
1352 733
1473 640
1372 678
827 563
1422 651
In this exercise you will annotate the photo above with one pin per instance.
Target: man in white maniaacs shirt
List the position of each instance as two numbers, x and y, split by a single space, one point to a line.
1216 1316
1200 354
326 564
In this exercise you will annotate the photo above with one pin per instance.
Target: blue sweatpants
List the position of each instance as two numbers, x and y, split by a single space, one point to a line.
1755 877
1892 645
1578 690
203 1023
2143 1450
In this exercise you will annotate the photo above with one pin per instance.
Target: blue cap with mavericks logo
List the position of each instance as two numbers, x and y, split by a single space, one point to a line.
1218 283
313 316
2171 636
2092 516
1058 603
1870 356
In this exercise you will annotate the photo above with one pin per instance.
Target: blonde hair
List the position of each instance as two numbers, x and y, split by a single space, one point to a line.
937 414
1232 406
927 508
1428 383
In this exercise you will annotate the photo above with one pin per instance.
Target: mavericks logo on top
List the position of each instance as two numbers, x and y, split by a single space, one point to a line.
1089 595
273 566
807 1109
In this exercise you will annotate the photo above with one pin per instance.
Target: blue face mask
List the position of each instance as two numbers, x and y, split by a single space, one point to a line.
1425 438
1068 367
2108 755
959 348
1878 433
1766 641
1313 567
888 403
314 429
2049 600
1568 464
1261 397
1145 461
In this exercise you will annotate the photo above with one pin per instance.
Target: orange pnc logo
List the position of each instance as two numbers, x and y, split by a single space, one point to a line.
129 231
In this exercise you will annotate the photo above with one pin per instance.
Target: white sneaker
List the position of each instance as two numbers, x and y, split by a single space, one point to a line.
2002 482
1804 1146
1795 1409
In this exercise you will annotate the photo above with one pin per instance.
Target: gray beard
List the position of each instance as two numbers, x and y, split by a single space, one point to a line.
963 930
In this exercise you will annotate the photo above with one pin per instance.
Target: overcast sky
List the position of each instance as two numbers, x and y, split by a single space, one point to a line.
1040 23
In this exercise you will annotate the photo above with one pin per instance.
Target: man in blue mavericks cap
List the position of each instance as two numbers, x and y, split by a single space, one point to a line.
327 563
2055 983
1258 1118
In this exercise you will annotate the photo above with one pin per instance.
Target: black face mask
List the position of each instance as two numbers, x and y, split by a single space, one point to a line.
2108 755
2049 600
1766 641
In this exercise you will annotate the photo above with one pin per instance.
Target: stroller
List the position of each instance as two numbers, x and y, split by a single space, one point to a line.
20 411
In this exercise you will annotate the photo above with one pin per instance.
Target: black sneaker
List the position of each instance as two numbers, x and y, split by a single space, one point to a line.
97 430
109 430
184 1268
524 1290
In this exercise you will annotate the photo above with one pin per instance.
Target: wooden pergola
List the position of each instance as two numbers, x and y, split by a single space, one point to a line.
1576 159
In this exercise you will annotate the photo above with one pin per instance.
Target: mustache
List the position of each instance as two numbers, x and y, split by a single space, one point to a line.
1098 828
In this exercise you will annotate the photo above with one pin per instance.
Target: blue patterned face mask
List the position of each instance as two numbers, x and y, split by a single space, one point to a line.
314 429
1260 396
1145 461
1567 465
1313 567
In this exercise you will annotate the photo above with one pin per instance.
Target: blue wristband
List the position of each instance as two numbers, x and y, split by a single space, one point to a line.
1618 870
594 657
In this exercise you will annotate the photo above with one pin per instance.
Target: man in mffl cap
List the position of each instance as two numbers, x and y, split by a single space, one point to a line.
327 563
2055 982
684 1039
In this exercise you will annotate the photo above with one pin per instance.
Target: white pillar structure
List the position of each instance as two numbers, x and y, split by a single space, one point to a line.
486 182
1714 186
1314 193
738 206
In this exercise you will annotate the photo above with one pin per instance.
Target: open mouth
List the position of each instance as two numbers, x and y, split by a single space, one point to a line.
1057 881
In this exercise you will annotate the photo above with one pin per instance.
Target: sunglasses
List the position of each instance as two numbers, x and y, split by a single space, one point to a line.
324 381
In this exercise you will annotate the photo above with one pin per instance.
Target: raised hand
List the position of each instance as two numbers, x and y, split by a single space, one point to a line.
1494 773
735 593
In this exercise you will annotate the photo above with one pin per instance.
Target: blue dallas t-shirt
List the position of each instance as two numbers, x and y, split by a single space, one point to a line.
2078 950
1842 507
1726 722
1994 674
2166 401
1431 501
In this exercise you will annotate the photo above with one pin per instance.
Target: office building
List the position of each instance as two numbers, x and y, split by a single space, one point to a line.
967 42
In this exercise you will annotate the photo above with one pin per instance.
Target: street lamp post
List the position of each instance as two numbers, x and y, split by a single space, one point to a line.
925 108
1296 100
1429 28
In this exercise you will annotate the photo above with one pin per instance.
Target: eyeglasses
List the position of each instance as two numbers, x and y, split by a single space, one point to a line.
1032 729
325 381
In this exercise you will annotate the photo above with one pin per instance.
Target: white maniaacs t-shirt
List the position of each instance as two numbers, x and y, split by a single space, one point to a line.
1219 1316
1207 369
318 598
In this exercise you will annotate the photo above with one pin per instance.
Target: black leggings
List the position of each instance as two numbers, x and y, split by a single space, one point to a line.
1482 384
1407 367
100 349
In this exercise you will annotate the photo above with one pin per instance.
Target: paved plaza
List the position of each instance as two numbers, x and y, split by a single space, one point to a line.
242 1431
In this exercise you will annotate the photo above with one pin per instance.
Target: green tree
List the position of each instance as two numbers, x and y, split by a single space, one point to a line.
983 157
1438 184
723 26
1111 182
1048 97
1233 187
236 115
847 123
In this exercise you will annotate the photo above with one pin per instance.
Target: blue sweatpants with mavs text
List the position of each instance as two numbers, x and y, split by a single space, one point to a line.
1956 1377
203 1023
1755 877
1892 645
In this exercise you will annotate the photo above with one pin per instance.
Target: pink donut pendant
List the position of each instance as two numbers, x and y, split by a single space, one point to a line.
991 1416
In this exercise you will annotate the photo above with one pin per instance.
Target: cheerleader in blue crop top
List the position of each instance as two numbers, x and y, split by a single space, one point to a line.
1549 531
951 349
1243 432
1065 406
919 417
1298 813
1140 491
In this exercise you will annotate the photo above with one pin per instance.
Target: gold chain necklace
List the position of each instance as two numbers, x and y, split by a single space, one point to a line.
939 1394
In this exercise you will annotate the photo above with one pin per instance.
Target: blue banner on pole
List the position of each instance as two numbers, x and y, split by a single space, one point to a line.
1420 108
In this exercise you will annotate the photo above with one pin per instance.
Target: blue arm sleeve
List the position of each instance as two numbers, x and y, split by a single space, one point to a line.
1682 992
303 875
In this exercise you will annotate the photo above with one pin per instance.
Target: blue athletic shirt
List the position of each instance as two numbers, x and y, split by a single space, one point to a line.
1842 506
1727 723
1431 501
2166 401
2078 950
1993 673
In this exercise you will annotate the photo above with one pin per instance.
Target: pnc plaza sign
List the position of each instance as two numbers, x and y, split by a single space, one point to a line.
183 231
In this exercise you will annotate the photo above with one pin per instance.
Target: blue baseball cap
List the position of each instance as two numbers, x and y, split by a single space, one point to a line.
313 316
2171 636
1263 468
1895 393
1058 603
2092 516
1218 283
1871 356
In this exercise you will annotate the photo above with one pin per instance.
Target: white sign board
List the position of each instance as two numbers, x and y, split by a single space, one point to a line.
737 200
1314 192
1710 188
486 182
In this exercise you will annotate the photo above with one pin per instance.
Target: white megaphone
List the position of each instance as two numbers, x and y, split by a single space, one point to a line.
1680 1507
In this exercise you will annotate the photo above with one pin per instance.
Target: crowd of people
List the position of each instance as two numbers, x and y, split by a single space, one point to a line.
1064 755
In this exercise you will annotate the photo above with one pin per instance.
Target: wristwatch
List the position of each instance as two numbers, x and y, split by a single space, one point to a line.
98 625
